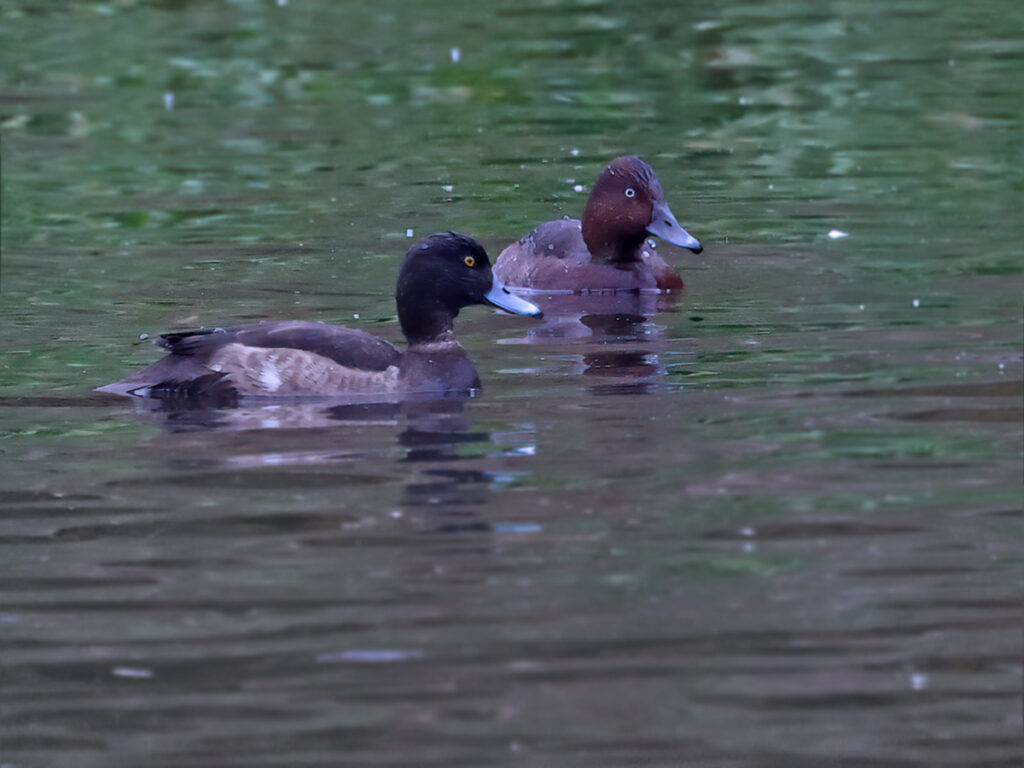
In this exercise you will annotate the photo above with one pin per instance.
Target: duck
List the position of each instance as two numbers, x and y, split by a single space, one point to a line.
440 275
607 250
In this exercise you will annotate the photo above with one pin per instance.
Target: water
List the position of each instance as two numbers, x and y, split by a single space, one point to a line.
773 522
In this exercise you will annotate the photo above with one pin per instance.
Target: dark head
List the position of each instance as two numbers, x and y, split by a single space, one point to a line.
625 206
441 274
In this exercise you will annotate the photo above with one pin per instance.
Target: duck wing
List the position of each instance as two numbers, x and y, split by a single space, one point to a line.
346 346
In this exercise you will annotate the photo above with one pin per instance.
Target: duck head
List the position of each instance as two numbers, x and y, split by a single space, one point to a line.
441 274
625 206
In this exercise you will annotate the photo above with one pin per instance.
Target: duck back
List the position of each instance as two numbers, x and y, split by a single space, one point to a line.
544 254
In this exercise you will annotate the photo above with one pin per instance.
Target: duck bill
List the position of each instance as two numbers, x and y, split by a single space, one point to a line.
501 297
664 225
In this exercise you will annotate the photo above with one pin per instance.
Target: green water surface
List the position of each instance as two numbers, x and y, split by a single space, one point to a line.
774 521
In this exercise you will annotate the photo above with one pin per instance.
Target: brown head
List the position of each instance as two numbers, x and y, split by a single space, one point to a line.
625 206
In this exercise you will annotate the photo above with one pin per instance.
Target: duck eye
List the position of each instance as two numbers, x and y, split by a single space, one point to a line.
630 192
469 261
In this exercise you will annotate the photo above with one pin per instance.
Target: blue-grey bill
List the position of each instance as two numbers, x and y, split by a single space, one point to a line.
501 297
664 225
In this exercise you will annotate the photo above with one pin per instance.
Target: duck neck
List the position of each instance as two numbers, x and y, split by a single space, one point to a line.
609 240
610 247
426 325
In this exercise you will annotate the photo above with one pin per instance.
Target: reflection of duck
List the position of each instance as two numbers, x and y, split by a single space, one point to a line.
456 495
598 328
431 435
606 250
599 316
618 346
622 326
446 465
623 372
632 364
255 416
440 275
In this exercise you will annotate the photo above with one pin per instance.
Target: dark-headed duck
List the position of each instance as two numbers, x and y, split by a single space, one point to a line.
441 274
606 251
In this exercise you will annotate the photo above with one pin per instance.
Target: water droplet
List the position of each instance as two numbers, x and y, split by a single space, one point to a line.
408 232
916 303
168 101
836 234
455 54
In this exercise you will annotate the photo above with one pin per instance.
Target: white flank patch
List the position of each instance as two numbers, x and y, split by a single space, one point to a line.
269 377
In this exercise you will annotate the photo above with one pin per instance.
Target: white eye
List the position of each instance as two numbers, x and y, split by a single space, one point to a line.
630 192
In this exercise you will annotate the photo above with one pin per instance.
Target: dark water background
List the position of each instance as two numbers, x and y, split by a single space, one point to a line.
774 522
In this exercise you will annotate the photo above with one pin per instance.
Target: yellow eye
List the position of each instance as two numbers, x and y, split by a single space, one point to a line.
469 261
